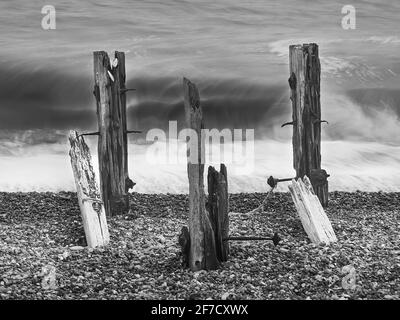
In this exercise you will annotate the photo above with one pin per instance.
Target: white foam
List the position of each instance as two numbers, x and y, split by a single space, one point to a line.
352 165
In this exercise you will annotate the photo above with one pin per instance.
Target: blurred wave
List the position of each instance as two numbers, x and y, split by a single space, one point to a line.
237 54
365 166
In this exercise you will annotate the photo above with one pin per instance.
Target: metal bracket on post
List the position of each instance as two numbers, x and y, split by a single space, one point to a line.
97 133
320 121
292 123
126 90
273 182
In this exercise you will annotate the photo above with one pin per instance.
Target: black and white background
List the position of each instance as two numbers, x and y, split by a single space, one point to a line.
237 53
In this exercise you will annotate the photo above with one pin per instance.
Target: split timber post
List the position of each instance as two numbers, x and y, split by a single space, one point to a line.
91 206
202 253
110 92
218 208
304 82
312 216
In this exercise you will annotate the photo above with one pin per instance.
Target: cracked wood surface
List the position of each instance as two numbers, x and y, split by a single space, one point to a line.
312 215
92 209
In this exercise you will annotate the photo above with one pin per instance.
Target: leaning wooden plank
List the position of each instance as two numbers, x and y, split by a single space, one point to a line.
327 231
313 211
92 208
312 215
301 208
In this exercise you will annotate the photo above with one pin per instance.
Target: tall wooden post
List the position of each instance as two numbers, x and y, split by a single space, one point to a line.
109 90
304 83
202 253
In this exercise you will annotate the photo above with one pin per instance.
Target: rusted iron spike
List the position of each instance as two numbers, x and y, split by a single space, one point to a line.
320 121
125 90
287 124
273 181
275 238
97 133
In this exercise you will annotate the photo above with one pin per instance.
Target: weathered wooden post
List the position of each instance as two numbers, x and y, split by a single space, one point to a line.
218 208
202 253
304 83
110 93
91 206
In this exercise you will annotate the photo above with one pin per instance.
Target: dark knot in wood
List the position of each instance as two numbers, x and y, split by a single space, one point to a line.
96 92
292 81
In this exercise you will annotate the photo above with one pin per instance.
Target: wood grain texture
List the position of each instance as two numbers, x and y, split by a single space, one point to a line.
312 215
202 242
112 144
304 83
218 208
120 74
92 209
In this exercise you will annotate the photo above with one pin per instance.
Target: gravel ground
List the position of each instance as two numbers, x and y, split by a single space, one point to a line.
143 260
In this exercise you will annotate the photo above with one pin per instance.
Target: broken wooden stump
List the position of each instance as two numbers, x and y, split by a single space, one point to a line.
90 203
304 82
202 240
110 94
184 242
312 215
218 207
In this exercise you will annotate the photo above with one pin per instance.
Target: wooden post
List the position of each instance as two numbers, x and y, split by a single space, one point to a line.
304 83
112 148
202 253
121 75
92 208
312 216
217 207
